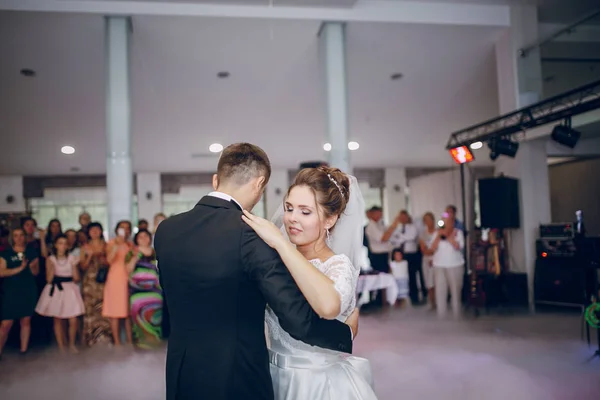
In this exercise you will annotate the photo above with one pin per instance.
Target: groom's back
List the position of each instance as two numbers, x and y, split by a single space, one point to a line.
216 347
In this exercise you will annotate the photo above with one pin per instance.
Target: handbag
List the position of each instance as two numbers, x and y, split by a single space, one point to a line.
102 274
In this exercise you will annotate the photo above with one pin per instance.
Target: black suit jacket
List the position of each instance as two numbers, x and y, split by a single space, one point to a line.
218 276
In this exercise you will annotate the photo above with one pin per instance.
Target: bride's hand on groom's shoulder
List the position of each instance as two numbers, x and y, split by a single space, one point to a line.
265 229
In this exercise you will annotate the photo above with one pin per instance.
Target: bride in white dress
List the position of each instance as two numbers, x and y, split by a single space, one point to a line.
320 238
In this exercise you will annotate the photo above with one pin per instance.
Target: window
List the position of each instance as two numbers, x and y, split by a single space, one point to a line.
66 204
67 212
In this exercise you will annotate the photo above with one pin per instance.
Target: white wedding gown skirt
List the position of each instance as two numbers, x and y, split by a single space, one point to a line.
303 372
331 377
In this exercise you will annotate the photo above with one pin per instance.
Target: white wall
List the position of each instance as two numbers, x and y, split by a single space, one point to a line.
149 182
394 200
433 192
11 185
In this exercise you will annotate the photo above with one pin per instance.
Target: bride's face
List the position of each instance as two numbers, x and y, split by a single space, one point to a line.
303 218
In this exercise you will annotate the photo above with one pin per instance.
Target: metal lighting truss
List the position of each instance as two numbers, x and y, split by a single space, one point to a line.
561 107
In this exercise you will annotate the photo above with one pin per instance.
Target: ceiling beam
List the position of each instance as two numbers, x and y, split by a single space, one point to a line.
580 34
416 12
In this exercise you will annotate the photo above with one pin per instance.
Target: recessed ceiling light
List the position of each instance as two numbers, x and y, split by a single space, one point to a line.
28 72
327 147
223 74
67 149
215 148
476 145
396 76
353 146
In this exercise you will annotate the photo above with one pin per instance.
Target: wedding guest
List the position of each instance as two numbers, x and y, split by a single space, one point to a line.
96 328
84 220
61 298
449 266
451 211
378 238
75 250
32 233
406 238
146 299
142 224
49 236
41 326
18 267
82 238
4 238
116 290
72 244
158 218
425 242
399 268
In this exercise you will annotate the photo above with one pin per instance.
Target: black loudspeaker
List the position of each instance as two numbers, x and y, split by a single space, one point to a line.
560 281
516 288
499 203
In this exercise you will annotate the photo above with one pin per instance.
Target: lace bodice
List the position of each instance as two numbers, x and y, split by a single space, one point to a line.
340 270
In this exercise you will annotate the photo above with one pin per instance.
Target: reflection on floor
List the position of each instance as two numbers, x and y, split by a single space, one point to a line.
414 356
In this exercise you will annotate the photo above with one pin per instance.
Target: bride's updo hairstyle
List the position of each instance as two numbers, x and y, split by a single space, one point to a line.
330 186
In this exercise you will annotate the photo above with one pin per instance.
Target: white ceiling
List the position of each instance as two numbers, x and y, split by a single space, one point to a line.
273 97
275 3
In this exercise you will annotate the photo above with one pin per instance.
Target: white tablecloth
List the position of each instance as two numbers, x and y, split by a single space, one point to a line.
368 283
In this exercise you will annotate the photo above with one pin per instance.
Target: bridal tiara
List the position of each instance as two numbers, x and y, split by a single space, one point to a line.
335 183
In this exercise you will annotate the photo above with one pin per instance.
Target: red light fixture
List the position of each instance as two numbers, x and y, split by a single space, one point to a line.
544 254
462 155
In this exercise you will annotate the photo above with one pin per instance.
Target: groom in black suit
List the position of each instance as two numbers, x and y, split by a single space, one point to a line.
218 276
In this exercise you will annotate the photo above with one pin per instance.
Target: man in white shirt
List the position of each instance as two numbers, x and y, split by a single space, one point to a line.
406 238
378 239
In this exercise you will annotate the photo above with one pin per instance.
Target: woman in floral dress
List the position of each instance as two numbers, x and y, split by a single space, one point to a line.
96 329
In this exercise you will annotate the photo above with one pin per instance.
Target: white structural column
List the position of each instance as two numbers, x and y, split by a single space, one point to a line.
395 196
119 174
519 85
149 195
333 51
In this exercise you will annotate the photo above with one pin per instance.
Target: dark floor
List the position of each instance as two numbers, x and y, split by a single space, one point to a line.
413 355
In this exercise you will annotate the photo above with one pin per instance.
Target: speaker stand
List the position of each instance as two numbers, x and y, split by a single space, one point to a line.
597 352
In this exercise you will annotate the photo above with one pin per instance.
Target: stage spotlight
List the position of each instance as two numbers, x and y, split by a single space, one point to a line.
461 155
500 147
565 135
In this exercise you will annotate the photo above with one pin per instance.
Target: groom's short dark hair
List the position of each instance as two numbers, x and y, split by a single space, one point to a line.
241 162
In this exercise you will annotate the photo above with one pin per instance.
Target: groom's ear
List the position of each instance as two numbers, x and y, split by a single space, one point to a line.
261 182
215 181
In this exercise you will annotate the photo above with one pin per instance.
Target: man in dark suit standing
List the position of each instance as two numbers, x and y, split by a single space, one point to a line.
218 276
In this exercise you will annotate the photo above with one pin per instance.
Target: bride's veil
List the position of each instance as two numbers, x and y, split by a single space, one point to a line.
347 236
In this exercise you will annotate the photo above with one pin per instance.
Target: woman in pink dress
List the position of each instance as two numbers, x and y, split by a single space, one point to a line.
61 297
116 289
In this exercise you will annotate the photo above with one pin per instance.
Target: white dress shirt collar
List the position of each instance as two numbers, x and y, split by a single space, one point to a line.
226 197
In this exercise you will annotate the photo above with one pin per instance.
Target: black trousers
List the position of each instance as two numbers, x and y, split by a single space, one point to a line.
415 267
380 262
